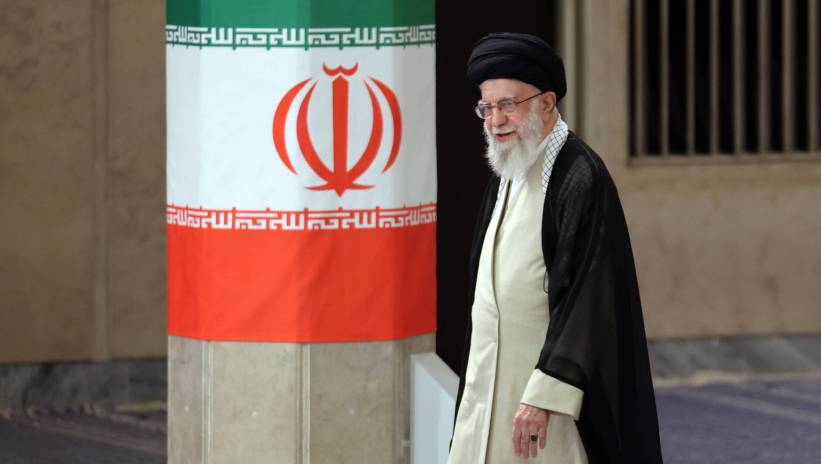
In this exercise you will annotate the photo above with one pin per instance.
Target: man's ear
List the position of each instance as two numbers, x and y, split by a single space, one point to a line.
548 104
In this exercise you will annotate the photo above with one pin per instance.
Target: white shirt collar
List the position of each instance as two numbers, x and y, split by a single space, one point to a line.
554 142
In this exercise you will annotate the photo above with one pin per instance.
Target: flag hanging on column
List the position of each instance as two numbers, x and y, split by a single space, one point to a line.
301 169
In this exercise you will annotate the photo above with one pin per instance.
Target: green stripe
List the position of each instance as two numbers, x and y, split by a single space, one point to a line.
299 13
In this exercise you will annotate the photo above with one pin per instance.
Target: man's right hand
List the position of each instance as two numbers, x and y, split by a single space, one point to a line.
529 420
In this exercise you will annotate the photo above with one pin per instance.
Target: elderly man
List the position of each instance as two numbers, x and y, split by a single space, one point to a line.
555 366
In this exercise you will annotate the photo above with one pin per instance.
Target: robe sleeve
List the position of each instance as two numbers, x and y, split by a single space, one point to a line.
596 340
581 278
552 385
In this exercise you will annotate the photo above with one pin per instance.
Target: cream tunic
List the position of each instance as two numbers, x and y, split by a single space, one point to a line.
510 319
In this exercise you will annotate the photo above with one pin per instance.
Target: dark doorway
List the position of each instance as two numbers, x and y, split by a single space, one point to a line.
462 172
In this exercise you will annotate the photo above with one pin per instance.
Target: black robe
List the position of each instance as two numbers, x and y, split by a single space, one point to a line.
595 340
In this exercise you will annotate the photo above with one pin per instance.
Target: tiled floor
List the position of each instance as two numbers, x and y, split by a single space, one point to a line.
80 436
772 422
753 422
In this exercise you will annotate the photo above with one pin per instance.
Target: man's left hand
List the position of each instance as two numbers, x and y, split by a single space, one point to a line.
529 420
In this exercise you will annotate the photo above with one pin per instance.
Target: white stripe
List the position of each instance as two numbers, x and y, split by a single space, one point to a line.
221 104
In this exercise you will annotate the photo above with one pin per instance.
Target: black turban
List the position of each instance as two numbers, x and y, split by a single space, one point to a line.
524 57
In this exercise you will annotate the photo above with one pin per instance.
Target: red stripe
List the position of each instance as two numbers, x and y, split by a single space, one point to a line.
301 286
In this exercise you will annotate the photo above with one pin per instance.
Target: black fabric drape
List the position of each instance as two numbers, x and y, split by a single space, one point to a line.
596 339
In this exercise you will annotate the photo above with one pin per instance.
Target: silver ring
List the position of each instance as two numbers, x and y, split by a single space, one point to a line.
534 437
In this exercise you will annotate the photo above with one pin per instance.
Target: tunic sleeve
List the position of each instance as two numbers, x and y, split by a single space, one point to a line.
546 392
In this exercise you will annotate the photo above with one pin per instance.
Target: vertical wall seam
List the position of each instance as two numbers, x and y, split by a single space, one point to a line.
207 382
581 84
664 73
401 398
298 402
203 401
636 23
566 44
690 80
739 81
715 74
100 115
764 116
812 77
398 430
787 75
305 403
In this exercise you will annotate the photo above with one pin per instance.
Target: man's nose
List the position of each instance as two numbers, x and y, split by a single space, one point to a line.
497 117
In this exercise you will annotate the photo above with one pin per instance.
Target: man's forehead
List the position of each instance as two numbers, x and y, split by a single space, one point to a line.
495 89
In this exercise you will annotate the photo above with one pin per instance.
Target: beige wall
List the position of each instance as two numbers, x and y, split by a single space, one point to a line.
82 187
721 249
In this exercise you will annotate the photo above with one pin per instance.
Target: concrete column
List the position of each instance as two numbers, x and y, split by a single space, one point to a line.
231 402
567 46
298 212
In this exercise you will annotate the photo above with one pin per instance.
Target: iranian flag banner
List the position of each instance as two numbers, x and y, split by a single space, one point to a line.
301 169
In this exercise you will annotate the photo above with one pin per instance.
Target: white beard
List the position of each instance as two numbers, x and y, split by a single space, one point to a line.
513 158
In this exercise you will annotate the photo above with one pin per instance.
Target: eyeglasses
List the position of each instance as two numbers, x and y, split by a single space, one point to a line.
505 105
